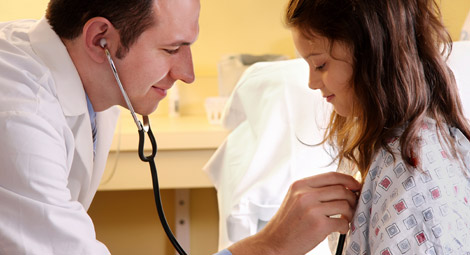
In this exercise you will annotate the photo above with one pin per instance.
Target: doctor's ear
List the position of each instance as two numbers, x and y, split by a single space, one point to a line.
99 33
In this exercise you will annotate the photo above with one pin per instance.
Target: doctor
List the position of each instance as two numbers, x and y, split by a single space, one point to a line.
57 117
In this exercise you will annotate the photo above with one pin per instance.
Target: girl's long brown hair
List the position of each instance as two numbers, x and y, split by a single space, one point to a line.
400 75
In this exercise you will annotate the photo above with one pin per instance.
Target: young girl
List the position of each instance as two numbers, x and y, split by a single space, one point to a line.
398 119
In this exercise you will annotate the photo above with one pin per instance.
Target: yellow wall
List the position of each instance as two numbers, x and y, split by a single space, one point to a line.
227 26
22 9
454 13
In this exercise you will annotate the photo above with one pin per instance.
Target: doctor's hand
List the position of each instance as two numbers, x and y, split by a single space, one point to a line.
304 218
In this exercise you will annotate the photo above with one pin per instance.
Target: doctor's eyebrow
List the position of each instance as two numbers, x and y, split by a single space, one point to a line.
180 43
183 42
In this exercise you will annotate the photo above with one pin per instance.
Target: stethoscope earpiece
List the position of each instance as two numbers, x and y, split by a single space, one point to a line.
103 43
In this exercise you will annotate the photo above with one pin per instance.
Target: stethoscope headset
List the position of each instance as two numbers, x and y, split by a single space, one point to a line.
142 129
145 128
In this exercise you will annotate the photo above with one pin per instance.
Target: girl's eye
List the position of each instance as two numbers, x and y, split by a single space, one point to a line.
318 68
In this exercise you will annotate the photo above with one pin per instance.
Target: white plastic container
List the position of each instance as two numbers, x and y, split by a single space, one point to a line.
174 101
214 109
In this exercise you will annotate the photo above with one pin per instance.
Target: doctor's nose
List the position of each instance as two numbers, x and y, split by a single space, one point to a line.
183 68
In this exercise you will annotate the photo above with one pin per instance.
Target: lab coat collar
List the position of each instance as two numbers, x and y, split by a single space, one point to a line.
49 47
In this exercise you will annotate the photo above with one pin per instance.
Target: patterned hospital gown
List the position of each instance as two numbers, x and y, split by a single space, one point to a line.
403 210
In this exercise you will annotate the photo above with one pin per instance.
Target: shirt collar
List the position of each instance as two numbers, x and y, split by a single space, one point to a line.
48 46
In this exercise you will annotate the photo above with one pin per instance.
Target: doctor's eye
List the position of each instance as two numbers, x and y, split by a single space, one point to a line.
320 67
172 51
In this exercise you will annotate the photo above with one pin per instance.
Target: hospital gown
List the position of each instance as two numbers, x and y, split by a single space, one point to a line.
403 210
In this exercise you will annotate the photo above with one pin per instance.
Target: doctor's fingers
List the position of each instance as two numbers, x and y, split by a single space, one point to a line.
328 217
328 179
340 225
306 197
334 209
336 192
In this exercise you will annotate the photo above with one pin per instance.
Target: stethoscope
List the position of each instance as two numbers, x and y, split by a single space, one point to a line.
145 128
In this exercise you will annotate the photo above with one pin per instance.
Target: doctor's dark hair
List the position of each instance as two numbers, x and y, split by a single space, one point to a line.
399 49
130 18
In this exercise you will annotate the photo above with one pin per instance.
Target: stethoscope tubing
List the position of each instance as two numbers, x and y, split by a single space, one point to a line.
341 241
156 188
123 92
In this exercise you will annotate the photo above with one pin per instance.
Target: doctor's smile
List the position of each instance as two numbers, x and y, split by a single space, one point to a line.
162 91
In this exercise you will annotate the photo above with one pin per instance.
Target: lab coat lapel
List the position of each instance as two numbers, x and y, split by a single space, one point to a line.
105 124
82 164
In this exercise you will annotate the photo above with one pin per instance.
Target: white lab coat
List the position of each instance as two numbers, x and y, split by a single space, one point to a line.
270 110
47 173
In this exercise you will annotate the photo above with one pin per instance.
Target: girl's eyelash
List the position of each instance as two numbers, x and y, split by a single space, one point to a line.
320 67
